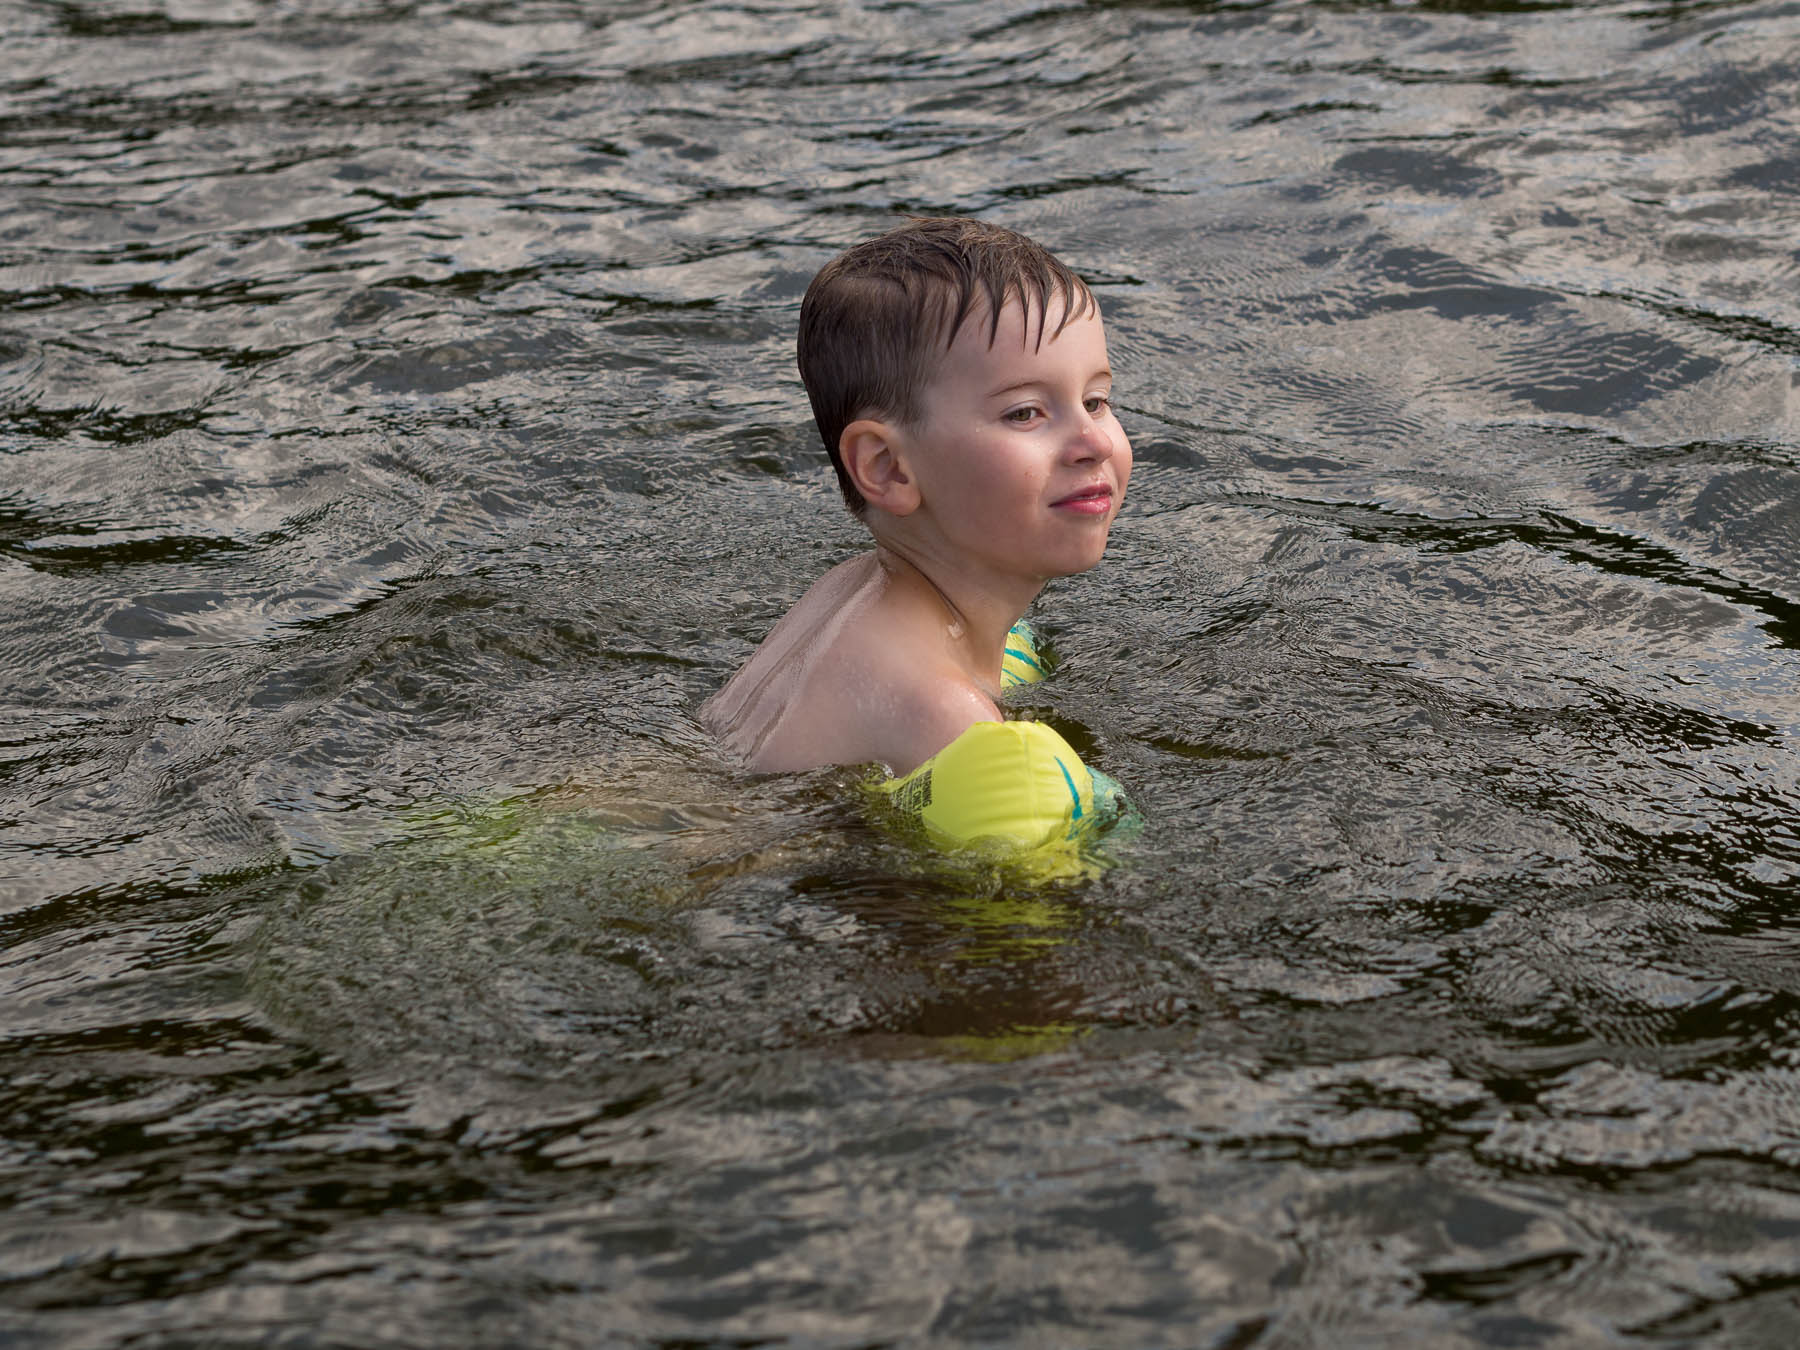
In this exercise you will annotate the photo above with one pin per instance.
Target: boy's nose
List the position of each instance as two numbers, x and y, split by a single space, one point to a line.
1092 441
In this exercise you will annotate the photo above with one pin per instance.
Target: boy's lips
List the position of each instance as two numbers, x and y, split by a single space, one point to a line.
1093 499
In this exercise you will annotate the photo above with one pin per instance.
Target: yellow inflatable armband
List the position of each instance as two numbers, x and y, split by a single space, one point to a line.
1011 788
1016 791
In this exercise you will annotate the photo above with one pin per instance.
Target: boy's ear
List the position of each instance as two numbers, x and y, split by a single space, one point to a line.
874 456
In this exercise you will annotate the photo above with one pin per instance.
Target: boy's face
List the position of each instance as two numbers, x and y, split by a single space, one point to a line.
1017 455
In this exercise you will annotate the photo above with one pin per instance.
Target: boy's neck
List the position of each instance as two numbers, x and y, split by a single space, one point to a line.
977 616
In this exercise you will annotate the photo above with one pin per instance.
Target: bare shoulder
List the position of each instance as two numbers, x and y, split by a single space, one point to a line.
777 712
859 671
938 712
900 672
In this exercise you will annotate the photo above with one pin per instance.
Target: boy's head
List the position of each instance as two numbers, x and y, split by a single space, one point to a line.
879 318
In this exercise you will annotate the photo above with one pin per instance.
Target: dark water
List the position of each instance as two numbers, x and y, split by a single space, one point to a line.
399 438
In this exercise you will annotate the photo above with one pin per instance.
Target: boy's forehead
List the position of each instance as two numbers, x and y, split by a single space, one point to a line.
1016 353
1031 325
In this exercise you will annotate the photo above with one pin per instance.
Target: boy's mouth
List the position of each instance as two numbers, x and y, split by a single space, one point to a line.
1091 500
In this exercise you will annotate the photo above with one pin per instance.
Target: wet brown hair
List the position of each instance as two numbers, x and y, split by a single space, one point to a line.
879 317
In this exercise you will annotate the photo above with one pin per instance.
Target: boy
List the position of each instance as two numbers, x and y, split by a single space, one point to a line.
959 379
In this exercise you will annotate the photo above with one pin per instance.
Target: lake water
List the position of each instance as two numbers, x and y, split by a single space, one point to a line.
399 439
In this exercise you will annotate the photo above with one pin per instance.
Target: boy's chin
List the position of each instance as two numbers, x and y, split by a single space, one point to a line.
1075 567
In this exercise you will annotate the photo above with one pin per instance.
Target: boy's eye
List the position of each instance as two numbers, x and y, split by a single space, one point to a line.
1097 404
1019 415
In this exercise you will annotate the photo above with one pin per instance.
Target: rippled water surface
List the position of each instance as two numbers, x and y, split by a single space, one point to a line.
399 439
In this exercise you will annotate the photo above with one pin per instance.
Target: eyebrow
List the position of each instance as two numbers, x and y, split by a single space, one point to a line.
1104 373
